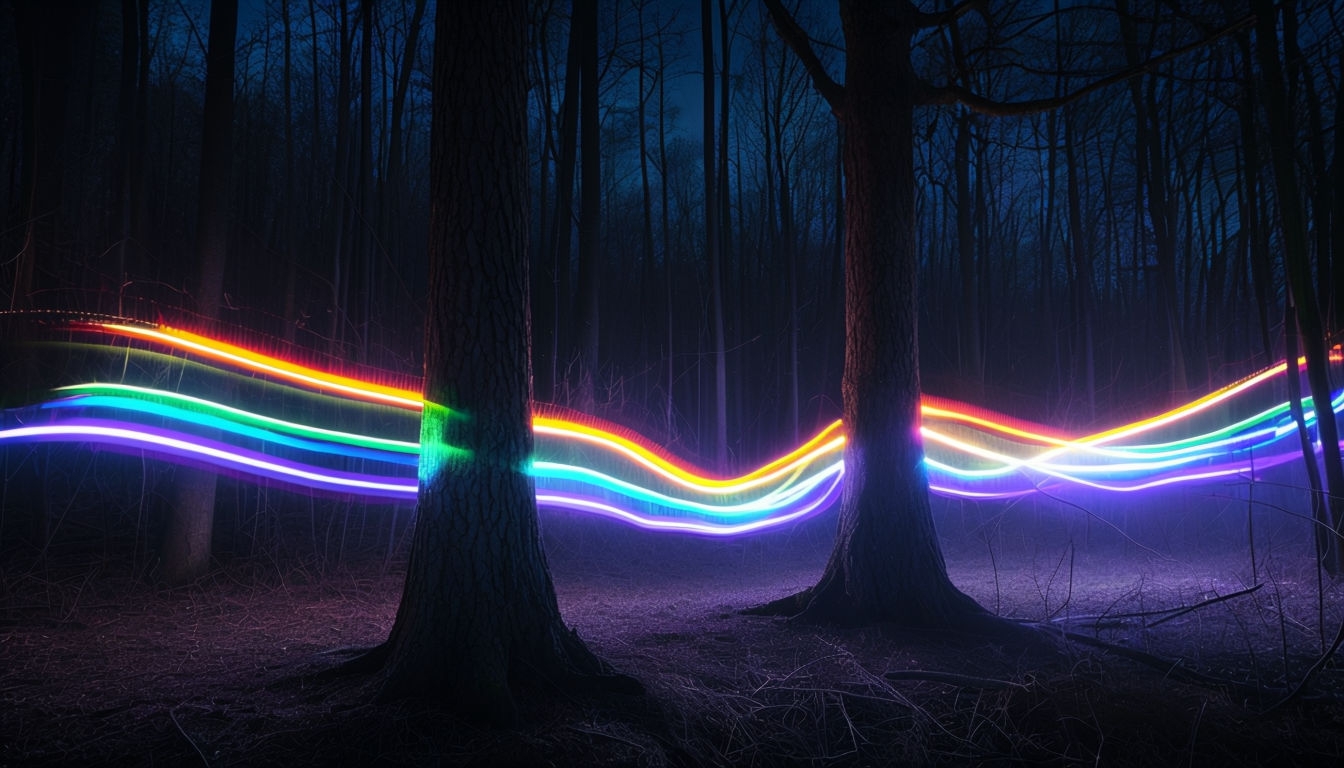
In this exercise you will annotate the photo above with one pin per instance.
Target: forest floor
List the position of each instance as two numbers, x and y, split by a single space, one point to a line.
98 668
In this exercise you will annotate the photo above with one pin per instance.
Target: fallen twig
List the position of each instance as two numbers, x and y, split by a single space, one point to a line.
953 678
1182 611
1167 614
172 714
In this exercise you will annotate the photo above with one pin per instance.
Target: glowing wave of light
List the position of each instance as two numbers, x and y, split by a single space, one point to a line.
583 465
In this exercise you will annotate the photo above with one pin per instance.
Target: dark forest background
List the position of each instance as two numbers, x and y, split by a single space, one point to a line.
1080 267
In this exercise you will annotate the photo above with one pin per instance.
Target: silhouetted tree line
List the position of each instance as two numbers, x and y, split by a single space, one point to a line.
1079 265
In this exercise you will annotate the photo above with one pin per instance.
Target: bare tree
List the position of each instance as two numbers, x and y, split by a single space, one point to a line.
478 618
886 564
187 540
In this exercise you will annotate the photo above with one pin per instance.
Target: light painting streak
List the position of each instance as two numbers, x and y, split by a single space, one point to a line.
584 466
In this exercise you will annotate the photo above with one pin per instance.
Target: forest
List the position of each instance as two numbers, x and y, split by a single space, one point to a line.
1110 242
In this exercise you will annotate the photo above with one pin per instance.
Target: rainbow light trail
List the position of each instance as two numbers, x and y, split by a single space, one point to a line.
583 465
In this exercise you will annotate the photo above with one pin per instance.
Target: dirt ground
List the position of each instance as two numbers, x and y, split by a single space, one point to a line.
98 668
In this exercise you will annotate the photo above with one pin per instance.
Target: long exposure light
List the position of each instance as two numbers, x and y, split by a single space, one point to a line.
582 465
273 366
191 447
238 414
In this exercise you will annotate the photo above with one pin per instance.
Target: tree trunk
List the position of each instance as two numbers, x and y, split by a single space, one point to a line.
478 617
340 200
286 214
712 242
1253 227
563 220
187 540
1327 552
1151 160
646 279
1336 255
129 144
590 207
669 405
1081 256
887 564
1292 214
969 346
367 209
47 50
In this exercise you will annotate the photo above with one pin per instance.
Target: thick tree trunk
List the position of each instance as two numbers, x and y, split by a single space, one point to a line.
887 564
478 617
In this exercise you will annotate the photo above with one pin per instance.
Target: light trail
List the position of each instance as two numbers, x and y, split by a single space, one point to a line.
583 465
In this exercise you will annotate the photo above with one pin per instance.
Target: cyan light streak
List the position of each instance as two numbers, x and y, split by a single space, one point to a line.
585 467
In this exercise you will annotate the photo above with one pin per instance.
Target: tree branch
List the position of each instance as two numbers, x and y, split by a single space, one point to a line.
953 93
796 38
943 18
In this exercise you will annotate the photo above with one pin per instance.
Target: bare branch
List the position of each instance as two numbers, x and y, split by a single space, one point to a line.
943 18
796 38
953 93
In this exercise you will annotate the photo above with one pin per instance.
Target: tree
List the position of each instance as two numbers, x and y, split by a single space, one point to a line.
713 250
478 617
1302 294
187 540
48 59
886 564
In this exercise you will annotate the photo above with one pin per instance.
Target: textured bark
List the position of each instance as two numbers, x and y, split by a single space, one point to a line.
478 616
887 564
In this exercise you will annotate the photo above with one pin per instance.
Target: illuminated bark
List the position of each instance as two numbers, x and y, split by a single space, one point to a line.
887 564
478 617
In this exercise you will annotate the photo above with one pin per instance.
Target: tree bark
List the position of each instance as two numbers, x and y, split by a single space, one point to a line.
187 540
478 617
887 564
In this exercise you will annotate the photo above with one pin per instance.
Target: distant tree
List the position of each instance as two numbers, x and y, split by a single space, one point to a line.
478 618
187 540
713 241
1279 115
48 59
587 292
